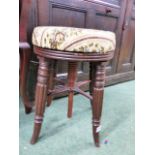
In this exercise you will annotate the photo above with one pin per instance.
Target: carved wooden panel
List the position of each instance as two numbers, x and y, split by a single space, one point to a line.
126 61
127 50
109 23
84 15
66 15
104 22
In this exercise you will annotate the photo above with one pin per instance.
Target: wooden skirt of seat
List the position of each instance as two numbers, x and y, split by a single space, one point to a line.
70 56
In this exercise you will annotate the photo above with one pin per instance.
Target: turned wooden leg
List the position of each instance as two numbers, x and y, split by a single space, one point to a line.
51 81
72 75
98 91
24 66
40 96
91 77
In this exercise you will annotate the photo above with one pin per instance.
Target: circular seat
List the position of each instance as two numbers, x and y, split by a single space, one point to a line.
74 39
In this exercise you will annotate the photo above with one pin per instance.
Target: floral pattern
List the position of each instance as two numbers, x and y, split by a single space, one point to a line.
73 39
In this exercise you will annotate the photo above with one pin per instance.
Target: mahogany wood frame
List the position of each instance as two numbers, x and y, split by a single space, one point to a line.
97 80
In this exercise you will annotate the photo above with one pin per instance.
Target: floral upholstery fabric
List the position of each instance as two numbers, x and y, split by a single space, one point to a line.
73 39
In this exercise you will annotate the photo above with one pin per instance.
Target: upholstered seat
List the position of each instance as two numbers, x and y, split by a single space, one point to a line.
73 39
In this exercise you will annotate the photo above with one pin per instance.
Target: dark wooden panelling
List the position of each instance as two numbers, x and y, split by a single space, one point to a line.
108 23
68 17
111 3
104 22
111 15
71 17
127 49
126 59
119 77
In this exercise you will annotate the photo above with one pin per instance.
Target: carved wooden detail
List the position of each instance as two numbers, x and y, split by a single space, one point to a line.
127 49
98 90
41 94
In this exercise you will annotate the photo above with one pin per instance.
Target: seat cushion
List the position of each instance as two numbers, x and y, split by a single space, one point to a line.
73 39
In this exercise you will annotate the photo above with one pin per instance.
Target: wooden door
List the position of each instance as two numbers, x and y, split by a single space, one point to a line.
68 13
87 14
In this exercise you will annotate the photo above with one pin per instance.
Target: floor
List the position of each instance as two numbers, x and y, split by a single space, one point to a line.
63 136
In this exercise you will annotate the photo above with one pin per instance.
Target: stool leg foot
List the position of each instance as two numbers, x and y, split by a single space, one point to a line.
51 81
98 91
36 133
72 75
40 98
24 67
